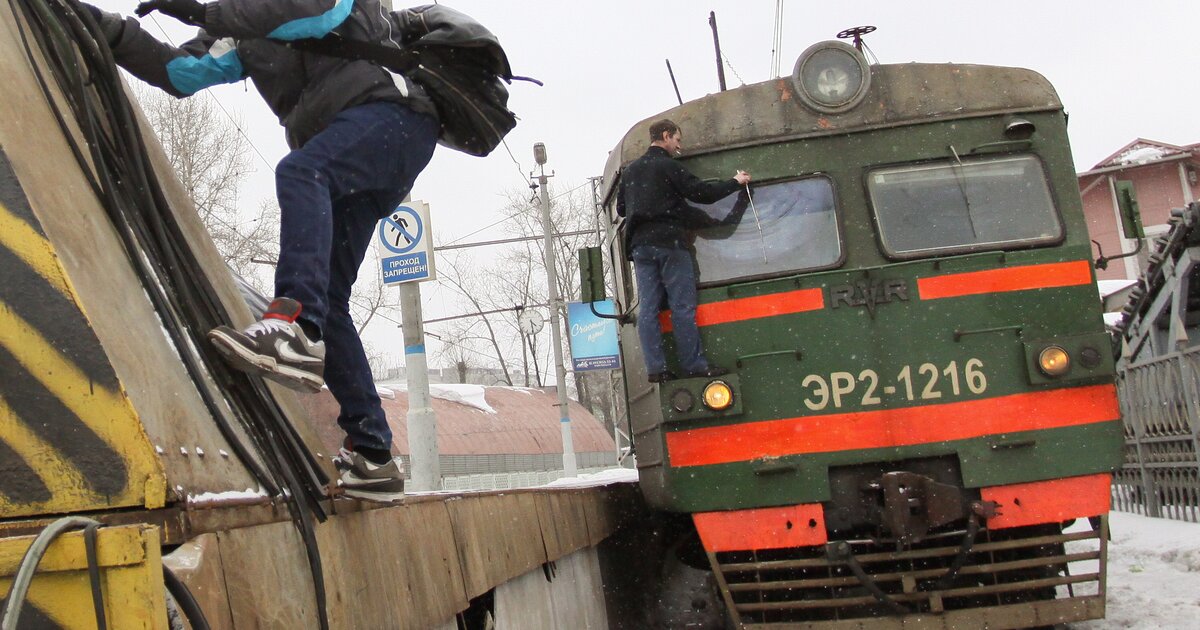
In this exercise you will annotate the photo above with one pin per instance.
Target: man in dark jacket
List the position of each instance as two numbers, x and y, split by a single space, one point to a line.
653 198
359 137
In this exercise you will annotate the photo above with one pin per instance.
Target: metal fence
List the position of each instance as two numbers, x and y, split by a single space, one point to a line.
1160 402
507 481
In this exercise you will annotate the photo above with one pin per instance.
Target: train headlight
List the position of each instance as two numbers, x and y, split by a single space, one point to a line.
1054 361
831 77
718 395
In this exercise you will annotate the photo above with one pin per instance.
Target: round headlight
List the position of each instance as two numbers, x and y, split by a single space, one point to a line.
718 395
831 77
1054 361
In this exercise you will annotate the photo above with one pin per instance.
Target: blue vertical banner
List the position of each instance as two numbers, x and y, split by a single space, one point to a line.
593 339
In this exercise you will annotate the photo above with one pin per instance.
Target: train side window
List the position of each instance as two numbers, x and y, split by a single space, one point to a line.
958 206
792 226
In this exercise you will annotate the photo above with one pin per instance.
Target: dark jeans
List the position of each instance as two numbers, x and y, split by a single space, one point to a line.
332 192
671 271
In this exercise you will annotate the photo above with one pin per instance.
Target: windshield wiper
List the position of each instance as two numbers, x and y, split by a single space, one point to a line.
959 179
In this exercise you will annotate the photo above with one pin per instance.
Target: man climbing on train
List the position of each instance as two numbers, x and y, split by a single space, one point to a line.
653 197
359 136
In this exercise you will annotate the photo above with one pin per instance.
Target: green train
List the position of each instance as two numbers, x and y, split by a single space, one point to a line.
921 397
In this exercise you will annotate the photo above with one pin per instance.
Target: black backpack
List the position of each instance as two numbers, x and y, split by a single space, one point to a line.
459 63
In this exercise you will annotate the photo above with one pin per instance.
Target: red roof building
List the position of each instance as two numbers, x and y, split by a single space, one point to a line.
1164 176
489 429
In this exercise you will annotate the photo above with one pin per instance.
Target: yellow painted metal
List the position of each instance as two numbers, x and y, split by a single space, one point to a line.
130 572
106 412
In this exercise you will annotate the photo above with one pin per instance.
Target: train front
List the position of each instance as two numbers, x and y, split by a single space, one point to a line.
920 420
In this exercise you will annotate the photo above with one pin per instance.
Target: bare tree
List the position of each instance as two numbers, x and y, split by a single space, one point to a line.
469 287
211 158
518 278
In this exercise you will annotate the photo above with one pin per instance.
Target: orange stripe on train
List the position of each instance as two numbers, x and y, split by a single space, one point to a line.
893 427
741 309
1052 501
1002 280
762 528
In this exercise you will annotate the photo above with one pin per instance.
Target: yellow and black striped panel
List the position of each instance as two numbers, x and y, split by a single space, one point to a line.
70 439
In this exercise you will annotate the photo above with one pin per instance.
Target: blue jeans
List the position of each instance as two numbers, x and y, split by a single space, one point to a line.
670 271
332 192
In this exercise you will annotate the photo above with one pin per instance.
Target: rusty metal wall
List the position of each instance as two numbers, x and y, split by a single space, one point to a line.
1160 403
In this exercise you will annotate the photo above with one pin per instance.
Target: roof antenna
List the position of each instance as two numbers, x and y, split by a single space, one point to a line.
857 34
676 85
712 21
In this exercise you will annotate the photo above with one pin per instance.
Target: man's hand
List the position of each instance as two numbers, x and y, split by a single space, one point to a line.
186 11
742 177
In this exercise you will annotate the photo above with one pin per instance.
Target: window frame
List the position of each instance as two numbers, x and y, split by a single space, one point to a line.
838 219
1056 210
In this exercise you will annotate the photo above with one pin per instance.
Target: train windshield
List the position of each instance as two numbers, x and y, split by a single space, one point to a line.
790 226
967 205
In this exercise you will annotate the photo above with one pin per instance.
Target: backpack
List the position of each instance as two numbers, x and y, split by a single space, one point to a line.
459 63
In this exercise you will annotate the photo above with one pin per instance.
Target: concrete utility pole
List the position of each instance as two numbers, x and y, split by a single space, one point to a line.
424 468
569 468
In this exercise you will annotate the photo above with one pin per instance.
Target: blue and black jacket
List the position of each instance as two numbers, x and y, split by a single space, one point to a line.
248 39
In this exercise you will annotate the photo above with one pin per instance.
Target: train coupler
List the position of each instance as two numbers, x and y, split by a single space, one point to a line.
913 504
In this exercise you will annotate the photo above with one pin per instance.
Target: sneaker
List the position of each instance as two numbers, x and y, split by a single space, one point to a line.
364 479
710 371
275 347
661 377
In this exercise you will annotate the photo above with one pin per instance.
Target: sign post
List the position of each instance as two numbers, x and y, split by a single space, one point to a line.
405 244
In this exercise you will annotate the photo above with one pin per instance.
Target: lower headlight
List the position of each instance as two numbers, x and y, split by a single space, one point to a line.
1054 361
718 395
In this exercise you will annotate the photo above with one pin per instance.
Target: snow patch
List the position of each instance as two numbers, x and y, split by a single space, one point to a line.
463 394
602 478
1142 155
1153 574
227 495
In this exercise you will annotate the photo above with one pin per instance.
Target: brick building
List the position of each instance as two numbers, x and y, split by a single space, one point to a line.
1164 176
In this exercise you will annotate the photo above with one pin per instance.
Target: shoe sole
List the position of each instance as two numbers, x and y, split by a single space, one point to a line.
261 365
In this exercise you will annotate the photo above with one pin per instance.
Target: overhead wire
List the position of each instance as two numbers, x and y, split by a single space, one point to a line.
218 103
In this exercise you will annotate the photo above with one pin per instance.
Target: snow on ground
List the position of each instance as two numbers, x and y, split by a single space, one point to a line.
1153 574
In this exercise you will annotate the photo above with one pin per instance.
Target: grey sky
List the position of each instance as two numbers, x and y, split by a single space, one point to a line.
1123 70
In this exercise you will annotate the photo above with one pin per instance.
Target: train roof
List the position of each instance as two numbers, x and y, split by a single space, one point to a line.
898 94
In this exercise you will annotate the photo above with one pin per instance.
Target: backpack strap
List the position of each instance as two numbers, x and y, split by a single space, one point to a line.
399 60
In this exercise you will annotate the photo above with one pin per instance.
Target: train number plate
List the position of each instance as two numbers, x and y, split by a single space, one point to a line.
926 381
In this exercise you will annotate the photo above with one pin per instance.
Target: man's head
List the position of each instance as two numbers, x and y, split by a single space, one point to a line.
666 134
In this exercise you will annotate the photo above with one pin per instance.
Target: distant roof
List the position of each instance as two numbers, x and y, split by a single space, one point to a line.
523 421
1143 151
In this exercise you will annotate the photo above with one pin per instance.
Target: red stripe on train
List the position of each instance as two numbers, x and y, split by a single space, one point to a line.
1003 280
893 427
741 309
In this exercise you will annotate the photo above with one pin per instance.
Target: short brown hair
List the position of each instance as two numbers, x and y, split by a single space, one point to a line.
660 127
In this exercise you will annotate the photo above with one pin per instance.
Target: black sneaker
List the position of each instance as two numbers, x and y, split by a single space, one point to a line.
275 347
710 371
361 478
661 377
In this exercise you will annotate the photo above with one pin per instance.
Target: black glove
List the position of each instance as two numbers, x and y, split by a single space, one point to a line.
186 11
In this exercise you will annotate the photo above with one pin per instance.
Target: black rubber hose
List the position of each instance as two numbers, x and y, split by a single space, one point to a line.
187 604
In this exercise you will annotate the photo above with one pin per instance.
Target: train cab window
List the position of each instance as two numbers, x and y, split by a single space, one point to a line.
792 226
968 205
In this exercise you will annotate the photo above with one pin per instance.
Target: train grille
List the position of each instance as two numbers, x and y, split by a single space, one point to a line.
1036 568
